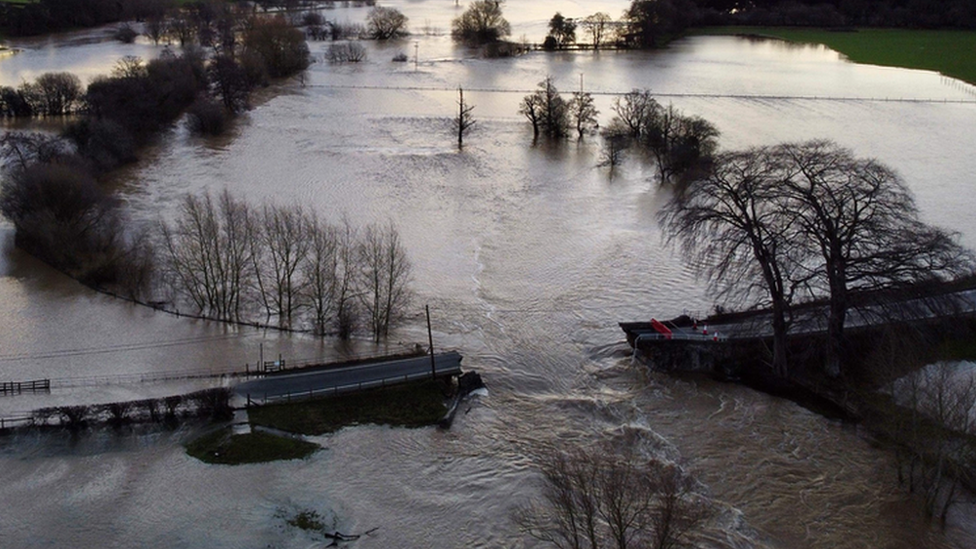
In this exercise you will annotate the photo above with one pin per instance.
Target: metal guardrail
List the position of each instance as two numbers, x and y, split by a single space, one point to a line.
296 363
347 388
681 336
15 421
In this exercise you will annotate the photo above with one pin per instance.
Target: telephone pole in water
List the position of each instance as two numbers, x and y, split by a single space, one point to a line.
430 340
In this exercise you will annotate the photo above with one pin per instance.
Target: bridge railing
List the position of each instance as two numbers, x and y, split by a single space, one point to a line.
684 336
345 388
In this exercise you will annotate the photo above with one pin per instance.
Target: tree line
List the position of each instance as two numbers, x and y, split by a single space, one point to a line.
51 191
230 261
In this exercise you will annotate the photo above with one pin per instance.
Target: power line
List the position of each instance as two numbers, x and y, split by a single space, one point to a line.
689 95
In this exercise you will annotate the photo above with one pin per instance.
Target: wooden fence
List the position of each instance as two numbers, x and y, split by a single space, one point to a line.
18 387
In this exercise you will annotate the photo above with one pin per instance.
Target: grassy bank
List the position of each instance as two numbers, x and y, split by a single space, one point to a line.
409 405
226 448
952 53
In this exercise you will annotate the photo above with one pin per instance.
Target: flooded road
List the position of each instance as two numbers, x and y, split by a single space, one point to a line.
528 255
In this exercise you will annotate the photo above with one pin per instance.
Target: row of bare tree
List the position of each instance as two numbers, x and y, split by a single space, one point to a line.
596 498
233 262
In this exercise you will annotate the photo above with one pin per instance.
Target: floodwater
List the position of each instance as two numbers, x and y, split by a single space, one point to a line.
528 255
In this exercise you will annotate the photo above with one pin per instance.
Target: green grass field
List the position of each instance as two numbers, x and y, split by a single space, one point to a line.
952 53
409 405
225 448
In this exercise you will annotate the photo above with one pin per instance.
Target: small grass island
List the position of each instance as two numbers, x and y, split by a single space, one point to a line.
418 404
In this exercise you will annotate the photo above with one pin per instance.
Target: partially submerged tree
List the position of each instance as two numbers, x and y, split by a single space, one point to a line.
463 120
594 499
682 145
481 23
546 110
386 23
582 113
58 93
633 110
280 247
209 254
385 276
769 222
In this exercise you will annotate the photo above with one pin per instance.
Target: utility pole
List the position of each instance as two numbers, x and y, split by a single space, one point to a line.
416 56
430 340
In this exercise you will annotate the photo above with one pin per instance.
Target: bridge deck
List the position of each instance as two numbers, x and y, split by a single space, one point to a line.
350 378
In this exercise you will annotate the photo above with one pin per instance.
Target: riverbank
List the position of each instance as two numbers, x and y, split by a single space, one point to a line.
948 52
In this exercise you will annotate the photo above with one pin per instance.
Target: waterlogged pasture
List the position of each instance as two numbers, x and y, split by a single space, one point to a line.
528 255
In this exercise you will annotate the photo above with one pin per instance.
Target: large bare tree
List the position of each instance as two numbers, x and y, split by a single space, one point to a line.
811 216
732 231
860 221
384 278
281 245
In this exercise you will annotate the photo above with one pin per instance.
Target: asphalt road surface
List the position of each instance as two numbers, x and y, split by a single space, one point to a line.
302 382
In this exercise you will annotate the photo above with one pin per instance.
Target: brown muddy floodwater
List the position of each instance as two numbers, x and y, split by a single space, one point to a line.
528 256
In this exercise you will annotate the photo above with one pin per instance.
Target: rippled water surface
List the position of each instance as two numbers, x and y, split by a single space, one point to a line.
528 255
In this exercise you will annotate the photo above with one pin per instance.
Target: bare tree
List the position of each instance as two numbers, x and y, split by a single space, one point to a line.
155 27
546 110
386 23
732 231
130 66
321 274
633 109
282 244
941 403
384 278
681 145
229 83
208 251
859 218
464 120
60 92
596 27
593 499
616 141
180 27
582 113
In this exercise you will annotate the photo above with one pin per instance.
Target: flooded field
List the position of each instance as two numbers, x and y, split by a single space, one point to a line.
528 255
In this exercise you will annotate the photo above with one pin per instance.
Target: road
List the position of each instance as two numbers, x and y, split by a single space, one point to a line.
350 378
